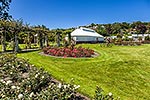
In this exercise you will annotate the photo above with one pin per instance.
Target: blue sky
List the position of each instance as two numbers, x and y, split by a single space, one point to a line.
73 13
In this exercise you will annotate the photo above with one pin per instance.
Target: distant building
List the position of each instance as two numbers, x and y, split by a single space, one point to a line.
86 35
136 36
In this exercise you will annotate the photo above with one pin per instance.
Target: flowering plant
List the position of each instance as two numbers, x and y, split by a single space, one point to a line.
99 95
75 52
21 80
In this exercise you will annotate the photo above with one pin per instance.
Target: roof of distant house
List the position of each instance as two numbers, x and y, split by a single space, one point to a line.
85 32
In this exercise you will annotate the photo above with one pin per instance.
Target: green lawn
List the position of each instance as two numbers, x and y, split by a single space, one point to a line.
122 70
21 46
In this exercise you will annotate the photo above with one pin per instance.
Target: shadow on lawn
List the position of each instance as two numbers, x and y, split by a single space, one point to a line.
28 50
21 51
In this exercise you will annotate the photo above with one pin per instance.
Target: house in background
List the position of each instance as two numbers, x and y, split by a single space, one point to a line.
137 36
86 35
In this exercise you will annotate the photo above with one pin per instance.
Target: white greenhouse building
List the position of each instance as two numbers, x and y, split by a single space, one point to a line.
86 35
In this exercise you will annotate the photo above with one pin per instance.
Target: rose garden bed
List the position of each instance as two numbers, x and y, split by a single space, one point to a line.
75 52
21 80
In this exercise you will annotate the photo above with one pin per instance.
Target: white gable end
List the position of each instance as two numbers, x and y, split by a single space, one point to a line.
85 32
86 35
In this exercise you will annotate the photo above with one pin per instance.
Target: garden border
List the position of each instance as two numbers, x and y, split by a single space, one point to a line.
93 56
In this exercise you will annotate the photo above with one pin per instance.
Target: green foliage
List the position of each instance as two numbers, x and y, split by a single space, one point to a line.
99 95
122 28
119 35
101 30
4 7
147 38
21 80
140 38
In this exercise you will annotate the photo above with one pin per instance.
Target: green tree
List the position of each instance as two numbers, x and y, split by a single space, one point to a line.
58 38
141 28
116 28
101 30
148 28
125 27
16 27
4 26
4 8
108 28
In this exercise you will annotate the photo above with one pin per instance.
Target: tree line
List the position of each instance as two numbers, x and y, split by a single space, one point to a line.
117 28
15 32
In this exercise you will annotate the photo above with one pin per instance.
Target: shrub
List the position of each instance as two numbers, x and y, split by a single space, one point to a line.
21 80
99 95
69 51
147 38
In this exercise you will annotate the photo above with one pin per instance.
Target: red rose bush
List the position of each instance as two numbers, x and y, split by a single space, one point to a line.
75 52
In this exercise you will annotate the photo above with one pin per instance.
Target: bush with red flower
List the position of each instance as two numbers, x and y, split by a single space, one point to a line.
75 52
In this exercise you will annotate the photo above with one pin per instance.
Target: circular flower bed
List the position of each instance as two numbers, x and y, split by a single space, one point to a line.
75 52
